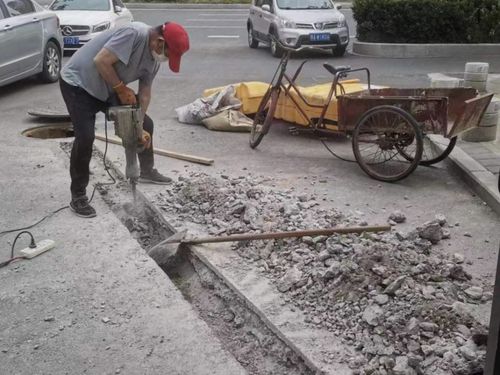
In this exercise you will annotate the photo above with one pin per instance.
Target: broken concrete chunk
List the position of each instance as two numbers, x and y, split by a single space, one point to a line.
380 271
431 231
323 255
429 327
458 258
333 271
395 285
412 326
468 352
402 367
441 219
397 217
474 292
291 277
372 315
381 299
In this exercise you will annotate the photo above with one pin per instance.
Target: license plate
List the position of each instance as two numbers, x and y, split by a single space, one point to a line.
71 40
319 37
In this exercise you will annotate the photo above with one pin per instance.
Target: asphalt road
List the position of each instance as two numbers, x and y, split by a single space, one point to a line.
219 55
220 35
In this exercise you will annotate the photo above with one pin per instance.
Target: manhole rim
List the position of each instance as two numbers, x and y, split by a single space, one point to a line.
58 126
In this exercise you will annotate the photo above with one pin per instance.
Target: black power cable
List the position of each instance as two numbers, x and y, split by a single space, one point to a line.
12 257
334 154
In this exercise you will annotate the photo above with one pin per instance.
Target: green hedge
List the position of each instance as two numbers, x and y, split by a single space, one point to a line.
428 21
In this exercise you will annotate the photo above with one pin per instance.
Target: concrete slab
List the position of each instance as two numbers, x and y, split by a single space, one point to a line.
95 303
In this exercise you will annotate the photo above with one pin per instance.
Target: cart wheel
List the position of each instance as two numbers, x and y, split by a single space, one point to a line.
378 138
432 154
264 116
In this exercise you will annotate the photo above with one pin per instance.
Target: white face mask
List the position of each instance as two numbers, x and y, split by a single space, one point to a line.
160 57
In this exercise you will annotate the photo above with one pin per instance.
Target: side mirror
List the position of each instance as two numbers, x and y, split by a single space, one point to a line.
118 9
266 8
339 7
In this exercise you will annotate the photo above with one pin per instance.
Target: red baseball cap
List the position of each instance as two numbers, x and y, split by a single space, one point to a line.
177 40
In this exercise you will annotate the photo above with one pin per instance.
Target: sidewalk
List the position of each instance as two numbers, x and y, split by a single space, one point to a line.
94 304
479 164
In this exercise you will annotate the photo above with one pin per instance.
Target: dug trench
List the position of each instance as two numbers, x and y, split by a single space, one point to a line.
239 329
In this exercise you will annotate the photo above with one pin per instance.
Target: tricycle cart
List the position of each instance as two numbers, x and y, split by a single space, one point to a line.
393 130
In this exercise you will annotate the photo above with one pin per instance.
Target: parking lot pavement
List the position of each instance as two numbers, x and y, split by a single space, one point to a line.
31 185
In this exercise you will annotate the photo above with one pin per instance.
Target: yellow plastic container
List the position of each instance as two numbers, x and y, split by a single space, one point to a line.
251 93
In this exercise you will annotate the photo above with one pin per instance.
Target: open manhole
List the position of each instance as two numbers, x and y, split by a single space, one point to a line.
50 131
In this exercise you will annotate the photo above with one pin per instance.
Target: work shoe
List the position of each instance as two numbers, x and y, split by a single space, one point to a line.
154 177
82 208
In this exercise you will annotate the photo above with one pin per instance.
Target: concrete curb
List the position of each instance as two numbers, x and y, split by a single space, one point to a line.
483 182
402 51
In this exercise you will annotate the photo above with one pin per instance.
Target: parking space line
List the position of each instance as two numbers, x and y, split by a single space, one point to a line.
215 27
224 15
212 11
215 20
223 36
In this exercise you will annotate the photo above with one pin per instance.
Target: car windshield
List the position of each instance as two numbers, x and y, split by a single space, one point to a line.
305 4
80 5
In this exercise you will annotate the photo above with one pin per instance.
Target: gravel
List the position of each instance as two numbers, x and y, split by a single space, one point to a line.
403 307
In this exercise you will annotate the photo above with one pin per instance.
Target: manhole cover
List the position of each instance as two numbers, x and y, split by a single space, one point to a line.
49 113
50 131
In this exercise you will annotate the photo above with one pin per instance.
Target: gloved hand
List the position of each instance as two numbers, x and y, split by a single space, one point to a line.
146 139
125 94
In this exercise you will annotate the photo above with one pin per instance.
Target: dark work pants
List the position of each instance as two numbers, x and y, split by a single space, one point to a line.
82 108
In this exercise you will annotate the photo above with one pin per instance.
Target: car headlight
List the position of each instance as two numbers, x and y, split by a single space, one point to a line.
342 23
288 24
101 27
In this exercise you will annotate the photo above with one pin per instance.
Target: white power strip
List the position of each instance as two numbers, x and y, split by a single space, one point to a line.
41 247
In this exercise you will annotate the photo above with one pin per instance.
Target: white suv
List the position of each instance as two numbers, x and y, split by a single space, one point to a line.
297 23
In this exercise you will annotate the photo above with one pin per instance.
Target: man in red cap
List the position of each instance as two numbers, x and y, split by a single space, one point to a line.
96 77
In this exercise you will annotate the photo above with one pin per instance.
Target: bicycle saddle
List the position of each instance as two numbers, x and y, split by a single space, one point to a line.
335 69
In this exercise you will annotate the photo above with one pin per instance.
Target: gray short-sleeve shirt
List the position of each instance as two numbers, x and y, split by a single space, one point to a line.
130 44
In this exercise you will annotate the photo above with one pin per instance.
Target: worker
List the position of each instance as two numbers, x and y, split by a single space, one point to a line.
96 77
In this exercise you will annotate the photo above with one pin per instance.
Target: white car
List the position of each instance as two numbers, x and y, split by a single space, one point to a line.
81 20
297 23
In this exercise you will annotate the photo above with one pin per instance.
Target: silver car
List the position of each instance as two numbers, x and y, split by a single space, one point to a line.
30 42
297 23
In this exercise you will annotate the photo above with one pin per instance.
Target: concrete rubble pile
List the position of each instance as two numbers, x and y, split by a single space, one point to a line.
403 307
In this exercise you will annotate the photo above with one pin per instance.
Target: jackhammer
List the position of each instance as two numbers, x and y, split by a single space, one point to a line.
128 122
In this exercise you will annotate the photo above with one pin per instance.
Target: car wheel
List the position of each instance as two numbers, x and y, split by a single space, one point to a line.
339 51
51 63
276 50
252 42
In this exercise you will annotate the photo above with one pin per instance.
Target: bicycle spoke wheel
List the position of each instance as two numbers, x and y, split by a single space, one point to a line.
378 139
435 149
264 116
